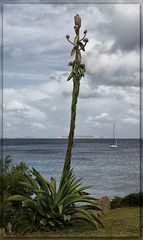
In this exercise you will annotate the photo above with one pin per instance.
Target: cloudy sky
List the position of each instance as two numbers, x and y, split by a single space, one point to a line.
36 94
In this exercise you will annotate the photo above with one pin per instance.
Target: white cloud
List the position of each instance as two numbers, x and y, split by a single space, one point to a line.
120 69
16 106
102 115
134 112
131 120
38 126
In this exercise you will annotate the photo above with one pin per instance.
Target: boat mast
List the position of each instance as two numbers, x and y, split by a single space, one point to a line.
114 132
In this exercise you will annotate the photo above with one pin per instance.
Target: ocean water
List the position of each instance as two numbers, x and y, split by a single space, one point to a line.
111 172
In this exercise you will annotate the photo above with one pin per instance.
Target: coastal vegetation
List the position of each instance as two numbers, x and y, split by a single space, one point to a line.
131 200
18 219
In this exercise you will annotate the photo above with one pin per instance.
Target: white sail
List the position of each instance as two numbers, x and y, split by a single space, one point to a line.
114 145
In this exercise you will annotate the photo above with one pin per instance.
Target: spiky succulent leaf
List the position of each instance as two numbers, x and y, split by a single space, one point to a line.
16 198
55 207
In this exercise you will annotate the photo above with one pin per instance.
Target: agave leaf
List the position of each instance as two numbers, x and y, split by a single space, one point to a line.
52 223
30 203
69 182
33 181
41 181
61 181
76 182
97 219
68 188
53 183
34 217
28 185
44 221
72 191
89 198
41 210
70 210
90 215
64 189
84 212
58 223
72 199
47 198
60 209
62 192
88 220
39 191
52 187
70 178
16 198
83 188
91 207
43 203
48 215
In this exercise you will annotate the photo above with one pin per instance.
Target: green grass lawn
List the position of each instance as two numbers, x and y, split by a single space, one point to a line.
120 222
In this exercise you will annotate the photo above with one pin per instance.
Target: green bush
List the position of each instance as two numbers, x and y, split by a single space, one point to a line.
116 202
9 186
12 178
131 200
22 221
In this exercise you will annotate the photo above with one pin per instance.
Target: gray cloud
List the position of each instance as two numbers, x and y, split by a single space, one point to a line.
120 69
36 94
123 25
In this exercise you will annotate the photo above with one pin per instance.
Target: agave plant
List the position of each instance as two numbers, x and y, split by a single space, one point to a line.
54 207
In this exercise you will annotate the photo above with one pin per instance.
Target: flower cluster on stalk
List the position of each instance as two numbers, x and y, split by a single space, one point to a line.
78 68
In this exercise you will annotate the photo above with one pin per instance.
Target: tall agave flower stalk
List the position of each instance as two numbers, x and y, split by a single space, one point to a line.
77 72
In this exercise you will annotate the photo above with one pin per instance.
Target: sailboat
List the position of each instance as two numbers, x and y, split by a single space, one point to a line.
114 144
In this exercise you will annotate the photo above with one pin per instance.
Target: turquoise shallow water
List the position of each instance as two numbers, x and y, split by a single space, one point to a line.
110 171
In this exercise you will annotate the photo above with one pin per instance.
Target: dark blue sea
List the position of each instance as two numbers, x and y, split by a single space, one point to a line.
110 171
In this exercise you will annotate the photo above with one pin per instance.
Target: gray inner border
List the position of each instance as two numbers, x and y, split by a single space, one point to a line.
140 2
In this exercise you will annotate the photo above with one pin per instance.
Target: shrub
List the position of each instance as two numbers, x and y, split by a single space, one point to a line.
53 208
9 186
116 202
12 178
22 221
131 200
